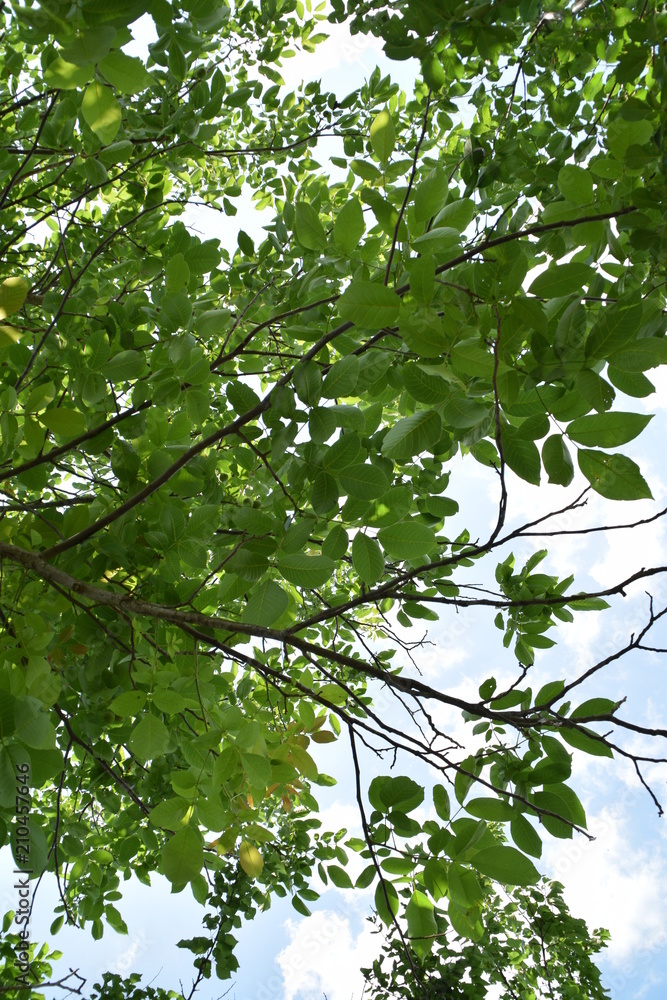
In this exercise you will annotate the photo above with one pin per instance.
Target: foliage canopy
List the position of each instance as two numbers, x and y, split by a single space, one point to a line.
225 472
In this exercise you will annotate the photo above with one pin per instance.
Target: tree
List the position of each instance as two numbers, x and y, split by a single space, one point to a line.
225 474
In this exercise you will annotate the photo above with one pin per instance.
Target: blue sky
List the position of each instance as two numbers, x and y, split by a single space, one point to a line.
616 881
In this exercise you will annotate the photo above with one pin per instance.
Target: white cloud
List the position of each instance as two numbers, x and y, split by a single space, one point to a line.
324 957
340 49
612 884
341 815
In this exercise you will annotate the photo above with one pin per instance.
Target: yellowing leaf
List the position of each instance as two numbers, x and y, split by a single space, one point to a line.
13 292
8 335
250 859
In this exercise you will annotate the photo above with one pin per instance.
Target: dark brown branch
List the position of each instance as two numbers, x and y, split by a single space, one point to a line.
408 191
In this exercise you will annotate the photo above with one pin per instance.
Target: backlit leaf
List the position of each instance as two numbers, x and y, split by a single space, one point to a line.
101 111
383 136
309 230
183 856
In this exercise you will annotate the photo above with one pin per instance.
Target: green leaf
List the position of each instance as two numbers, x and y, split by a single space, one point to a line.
363 481
333 693
568 797
125 366
422 279
640 355
422 927
575 184
349 226
561 279
464 888
308 382
457 214
581 740
342 453
386 901
101 111
258 769
589 604
33 726
413 435
369 305
342 378
613 476
177 273
430 195
557 461
321 424
505 864
177 61
461 412
63 75
525 837
306 571
383 136
606 430
63 421
367 558
391 507
266 604
246 244
129 703
441 240
202 257
335 544
623 134
149 738
631 383
433 72
125 73
616 327
300 906
309 230
521 455
594 707
297 534
242 397
386 793
90 46
303 762
423 332
548 692
339 877
324 494
366 878
497 810
171 814
463 782
441 506
435 878
407 540
183 856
